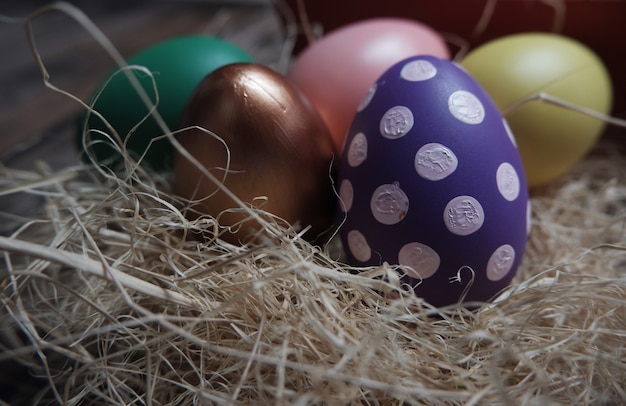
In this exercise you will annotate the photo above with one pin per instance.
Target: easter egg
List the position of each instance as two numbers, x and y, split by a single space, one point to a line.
431 180
268 146
551 139
177 66
336 71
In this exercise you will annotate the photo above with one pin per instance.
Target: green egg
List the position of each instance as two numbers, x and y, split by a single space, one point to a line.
177 66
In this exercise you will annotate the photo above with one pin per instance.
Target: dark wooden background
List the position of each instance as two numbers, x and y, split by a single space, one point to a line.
36 122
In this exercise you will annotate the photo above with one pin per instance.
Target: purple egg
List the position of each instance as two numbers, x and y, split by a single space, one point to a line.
431 180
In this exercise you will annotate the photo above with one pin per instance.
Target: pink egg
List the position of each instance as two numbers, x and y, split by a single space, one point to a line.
336 72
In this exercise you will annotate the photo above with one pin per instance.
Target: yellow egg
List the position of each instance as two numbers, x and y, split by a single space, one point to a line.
551 138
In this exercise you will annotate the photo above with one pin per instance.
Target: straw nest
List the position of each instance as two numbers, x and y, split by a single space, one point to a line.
108 297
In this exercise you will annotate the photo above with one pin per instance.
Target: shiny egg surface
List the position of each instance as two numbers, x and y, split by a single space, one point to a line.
257 134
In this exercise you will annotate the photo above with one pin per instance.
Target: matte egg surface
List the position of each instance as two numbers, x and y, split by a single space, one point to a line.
336 71
431 180
177 66
551 139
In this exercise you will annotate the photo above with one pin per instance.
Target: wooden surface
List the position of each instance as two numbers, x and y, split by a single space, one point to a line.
36 122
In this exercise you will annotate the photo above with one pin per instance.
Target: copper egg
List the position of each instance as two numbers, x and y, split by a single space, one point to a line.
281 153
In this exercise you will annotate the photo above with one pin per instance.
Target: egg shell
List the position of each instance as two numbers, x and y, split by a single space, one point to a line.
276 147
551 139
431 179
178 65
336 71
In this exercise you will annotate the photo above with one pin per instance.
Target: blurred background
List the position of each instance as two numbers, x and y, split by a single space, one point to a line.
36 122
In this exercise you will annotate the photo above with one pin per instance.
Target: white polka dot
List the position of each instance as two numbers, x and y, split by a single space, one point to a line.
389 204
508 181
346 194
466 107
419 70
368 98
529 213
357 151
435 161
358 246
500 262
463 215
396 122
509 132
420 259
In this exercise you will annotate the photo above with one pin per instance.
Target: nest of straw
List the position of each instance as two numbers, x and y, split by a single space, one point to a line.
105 299
108 298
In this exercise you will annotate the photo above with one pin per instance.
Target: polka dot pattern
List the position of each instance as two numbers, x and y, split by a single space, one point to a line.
358 246
418 70
346 194
420 260
500 262
466 107
463 215
434 161
396 122
368 98
431 180
357 150
508 181
389 204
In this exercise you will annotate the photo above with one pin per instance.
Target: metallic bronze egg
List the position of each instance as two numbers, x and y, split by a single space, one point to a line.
271 149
